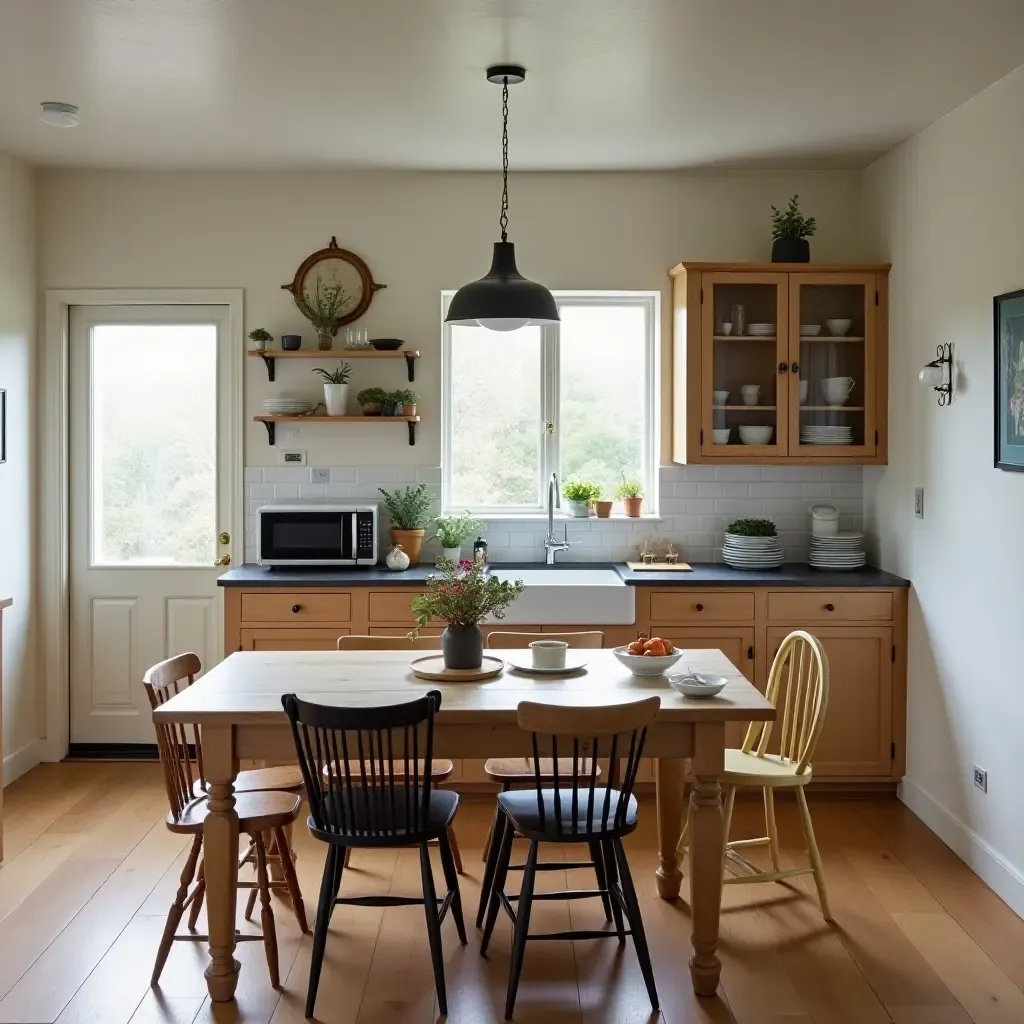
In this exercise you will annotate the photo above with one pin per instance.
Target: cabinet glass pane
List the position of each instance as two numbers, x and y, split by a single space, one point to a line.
745 366
832 364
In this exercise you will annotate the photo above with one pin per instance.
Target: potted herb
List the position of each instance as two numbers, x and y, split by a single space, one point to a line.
751 528
371 401
631 493
391 404
462 594
407 400
260 337
790 231
409 508
453 532
325 309
335 388
578 495
603 508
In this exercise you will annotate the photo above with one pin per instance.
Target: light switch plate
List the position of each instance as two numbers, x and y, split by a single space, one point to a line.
292 458
320 476
919 502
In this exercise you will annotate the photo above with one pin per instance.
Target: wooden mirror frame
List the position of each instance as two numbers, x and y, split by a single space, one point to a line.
335 252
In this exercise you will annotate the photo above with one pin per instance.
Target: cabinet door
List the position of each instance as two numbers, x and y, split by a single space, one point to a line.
744 365
856 740
320 639
833 365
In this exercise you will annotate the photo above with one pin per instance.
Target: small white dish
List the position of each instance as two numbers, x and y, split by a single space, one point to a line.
838 327
549 654
641 665
698 685
722 435
575 661
720 397
750 434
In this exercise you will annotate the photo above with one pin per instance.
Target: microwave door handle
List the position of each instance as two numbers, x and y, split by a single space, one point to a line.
354 516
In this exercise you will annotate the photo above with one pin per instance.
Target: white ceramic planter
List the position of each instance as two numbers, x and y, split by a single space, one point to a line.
336 398
578 509
452 554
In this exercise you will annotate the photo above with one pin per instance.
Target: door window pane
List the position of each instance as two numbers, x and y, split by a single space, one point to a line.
153 444
495 417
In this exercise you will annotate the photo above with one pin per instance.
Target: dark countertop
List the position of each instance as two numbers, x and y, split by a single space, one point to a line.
792 574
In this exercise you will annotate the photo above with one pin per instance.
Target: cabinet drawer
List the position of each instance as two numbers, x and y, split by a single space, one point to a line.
391 606
321 639
824 606
697 606
289 608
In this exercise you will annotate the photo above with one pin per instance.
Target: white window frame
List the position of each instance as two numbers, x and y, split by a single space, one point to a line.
548 411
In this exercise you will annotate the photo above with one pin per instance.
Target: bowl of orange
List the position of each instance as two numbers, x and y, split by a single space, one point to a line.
648 657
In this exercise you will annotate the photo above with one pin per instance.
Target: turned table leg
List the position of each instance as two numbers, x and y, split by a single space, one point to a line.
669 779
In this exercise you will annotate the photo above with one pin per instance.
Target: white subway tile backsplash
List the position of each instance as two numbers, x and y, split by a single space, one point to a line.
253 475
795 474
342 475
286 475
709 490
286 491
744 474
735 490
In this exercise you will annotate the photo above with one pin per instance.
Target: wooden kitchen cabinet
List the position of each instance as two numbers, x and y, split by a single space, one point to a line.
787 372
291 639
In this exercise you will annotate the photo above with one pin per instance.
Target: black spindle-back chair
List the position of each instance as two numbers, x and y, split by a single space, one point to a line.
590 806
367 773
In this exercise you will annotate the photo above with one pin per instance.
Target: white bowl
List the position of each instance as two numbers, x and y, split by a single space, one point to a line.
722 436
698 685
720 397
839 327
756 435
640 665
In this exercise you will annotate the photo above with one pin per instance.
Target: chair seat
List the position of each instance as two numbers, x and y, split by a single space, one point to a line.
521 806
384 817
287 778
256 812
440 769
770 770
520 769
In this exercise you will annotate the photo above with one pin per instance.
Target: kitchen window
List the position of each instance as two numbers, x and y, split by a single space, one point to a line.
578 398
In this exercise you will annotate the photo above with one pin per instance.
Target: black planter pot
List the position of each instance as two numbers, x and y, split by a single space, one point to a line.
291 342
462 647
791 250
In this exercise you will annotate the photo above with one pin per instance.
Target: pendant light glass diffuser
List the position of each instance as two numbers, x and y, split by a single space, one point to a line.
503 300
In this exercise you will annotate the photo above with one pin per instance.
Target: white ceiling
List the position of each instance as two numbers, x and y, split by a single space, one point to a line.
612 84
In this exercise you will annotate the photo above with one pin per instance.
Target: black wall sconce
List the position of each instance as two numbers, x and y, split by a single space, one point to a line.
938 374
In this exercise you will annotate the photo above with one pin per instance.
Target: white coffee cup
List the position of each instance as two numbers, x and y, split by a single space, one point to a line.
837 389
727 329
549 653
751 393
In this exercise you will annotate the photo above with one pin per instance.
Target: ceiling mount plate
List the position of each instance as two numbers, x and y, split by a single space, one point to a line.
497 73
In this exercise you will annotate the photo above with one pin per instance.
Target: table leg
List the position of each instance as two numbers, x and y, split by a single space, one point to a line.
220 842
669 778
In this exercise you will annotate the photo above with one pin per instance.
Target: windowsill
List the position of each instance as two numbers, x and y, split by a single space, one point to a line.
542 517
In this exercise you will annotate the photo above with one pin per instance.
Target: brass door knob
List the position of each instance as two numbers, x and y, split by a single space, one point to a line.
224 538
223 560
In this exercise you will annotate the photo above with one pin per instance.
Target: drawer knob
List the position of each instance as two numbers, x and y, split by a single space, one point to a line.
830 607
700 607
296 608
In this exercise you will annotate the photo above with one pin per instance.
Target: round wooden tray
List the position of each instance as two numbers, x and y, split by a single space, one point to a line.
432 667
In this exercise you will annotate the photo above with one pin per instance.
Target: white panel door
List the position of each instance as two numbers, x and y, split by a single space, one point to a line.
151 503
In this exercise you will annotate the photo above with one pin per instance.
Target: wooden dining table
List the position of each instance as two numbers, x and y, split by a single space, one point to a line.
237 704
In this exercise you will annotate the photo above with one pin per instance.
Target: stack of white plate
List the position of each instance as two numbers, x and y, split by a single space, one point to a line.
286 405
840 551
814 433
761 330
810 330
752 552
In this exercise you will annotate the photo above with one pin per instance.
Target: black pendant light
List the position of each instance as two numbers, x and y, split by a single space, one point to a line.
503 300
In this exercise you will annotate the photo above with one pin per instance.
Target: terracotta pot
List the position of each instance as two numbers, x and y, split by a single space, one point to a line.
373 409
633 506
604 509
462 647
409 410
411 541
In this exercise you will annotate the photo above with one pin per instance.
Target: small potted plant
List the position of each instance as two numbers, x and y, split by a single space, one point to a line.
462 594
453 532
407 400
335 388
325 309
409 508
603 507
578 495
259 337
391 404
631 493
371 401
790 231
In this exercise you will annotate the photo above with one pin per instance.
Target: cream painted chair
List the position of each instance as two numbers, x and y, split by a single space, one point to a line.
798 687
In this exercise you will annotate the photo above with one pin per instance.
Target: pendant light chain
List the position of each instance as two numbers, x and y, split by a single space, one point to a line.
503 220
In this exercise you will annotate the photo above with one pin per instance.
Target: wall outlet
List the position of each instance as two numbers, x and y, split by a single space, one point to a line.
321 476
981 779
293 459
919 502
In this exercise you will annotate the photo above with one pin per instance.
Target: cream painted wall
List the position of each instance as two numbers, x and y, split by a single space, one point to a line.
948 209
17 511
419 233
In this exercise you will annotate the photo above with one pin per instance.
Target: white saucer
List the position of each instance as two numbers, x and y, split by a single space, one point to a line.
574 662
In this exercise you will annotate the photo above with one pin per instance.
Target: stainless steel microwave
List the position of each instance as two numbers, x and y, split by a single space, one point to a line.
317 533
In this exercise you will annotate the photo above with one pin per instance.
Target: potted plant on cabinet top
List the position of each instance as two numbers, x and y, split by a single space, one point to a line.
790 231
632 496
453 532
410 512
371 400
578 495
260 337
325 308
335 388
407 400
463 595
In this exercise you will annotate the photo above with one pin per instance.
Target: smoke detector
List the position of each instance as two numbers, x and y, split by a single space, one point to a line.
59 115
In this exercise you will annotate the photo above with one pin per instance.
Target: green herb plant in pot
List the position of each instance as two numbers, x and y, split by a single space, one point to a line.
631 494
335 387
371 401
407 400
578 496
409 508
790 231
453 532
462 594
259 337
325 308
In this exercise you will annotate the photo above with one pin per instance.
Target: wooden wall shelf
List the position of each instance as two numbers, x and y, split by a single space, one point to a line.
270 355
270 422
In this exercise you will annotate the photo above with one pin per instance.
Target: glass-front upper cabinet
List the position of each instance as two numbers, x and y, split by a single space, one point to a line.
745 324
834 365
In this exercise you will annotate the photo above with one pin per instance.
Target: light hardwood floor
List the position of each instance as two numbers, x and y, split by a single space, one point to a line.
90 871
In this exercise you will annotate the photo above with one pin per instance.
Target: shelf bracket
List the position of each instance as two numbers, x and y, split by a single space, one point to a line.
269 360
410 363
270 429
412 432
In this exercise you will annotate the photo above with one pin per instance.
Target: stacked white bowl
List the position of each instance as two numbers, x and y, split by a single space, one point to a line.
761 330
742 552
286 405
840 551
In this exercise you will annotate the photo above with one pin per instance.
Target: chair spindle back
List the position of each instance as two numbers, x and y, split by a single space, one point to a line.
592 639
389 643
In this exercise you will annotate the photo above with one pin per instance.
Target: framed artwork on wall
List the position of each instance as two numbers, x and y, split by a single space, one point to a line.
3 424
1009 381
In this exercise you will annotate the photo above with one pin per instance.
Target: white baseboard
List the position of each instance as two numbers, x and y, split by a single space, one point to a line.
988 864
21 761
